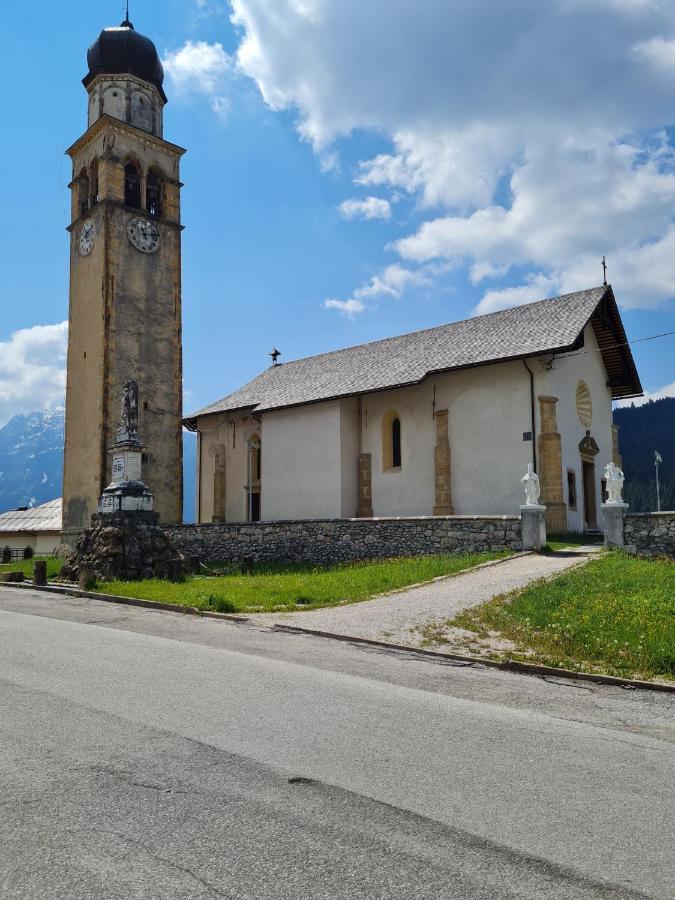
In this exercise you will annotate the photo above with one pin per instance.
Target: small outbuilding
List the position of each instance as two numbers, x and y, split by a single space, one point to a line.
37 527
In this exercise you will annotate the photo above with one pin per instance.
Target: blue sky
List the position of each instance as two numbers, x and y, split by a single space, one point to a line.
358 170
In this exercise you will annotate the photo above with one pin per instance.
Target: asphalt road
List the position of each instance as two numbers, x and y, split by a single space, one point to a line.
147 754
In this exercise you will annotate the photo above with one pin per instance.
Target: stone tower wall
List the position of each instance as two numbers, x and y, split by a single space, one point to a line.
125 322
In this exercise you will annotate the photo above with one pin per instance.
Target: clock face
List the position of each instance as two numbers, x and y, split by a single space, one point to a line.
144 235
87 237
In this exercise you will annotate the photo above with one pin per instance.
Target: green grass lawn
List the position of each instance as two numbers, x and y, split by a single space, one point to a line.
26 566
295 586
615 615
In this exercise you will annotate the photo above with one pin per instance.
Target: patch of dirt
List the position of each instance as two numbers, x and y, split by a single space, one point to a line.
441 636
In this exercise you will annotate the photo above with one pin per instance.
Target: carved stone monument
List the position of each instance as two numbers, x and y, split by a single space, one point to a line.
127 492
532 514
614 508
125 540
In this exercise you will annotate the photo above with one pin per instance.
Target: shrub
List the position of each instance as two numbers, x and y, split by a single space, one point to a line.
28 553
7 554
222 604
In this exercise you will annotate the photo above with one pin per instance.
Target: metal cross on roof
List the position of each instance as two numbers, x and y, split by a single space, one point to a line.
604 271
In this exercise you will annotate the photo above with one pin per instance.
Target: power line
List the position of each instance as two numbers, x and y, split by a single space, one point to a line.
651 337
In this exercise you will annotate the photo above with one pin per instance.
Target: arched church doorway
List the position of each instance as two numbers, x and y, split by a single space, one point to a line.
588 450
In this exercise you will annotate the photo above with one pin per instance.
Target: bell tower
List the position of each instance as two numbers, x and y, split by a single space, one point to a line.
125 279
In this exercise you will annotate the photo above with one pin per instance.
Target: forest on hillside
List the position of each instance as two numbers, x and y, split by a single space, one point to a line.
645 429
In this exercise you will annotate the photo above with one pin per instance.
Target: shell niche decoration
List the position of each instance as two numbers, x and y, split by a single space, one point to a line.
584 404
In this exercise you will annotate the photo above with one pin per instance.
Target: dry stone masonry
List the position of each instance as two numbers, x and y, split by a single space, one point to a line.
123 546
650 534
345 540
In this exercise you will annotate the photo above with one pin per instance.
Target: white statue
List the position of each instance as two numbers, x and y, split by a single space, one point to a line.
532 489
615 479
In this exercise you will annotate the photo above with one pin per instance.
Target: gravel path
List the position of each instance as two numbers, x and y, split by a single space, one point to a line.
392 616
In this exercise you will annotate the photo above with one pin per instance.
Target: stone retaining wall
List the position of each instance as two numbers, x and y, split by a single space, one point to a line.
345 540
650 534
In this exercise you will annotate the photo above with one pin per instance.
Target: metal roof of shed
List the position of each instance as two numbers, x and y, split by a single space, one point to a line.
46 517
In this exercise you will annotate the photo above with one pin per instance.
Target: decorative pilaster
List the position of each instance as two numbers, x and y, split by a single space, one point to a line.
442 473
616 453
550 466
219 497
365 510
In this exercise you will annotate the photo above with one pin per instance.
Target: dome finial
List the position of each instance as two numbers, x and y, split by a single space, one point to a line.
127 23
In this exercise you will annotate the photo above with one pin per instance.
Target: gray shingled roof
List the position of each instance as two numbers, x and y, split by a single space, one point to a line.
46 517
522 331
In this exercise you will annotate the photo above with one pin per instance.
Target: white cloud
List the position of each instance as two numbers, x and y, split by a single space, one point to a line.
534 145
536 288
201 68
658 51
392 282
660 394
370 208
32 369
350 308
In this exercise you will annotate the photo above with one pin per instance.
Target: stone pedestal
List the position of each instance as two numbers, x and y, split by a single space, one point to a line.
126 492
613 514
533 525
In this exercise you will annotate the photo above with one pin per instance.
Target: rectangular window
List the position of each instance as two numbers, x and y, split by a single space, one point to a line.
571 489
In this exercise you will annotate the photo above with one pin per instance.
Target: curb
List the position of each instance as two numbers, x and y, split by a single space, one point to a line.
506 665
128 601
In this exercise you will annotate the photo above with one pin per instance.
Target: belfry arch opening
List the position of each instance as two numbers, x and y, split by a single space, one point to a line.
132 185
153 192
83 192
93 183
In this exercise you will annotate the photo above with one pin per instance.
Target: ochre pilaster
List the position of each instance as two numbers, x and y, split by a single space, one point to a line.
550 466
616 453
365 510
219 496
442 470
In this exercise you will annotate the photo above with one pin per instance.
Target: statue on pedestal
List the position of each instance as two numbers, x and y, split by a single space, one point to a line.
128 429
615 481
532 488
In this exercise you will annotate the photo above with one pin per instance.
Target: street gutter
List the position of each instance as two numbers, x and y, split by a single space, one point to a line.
520 668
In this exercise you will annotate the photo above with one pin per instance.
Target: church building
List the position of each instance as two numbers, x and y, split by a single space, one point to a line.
435 423
125 279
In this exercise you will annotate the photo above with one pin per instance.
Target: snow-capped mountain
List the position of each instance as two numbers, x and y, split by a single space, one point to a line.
31 461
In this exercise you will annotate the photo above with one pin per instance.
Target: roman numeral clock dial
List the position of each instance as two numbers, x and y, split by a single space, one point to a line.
143 235
87 237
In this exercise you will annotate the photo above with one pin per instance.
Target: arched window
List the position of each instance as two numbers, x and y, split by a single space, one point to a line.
132 185
396 443
83 192
391 441
154 194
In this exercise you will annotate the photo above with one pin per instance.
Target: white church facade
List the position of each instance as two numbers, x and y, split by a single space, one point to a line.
438 422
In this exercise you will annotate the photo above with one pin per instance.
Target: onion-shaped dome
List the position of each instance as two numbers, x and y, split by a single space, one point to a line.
119 51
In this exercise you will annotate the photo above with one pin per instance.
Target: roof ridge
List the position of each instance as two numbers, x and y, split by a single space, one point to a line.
420 331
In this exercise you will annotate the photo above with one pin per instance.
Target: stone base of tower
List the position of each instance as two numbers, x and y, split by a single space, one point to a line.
124 546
